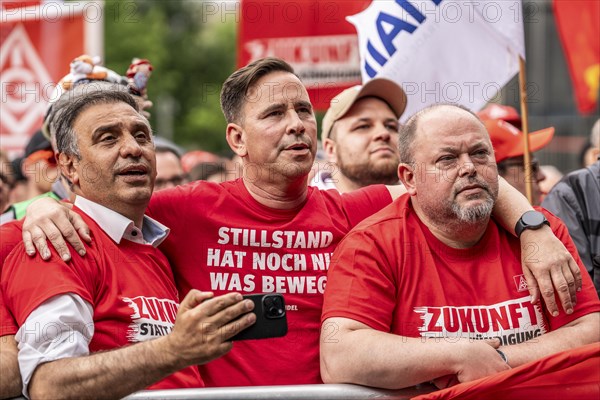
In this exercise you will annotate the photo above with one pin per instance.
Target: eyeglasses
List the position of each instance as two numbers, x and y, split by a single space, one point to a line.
504 165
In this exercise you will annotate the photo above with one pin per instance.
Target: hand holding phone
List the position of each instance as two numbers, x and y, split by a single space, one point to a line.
271 319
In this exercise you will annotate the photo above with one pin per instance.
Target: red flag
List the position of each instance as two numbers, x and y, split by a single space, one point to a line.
572 374
578 23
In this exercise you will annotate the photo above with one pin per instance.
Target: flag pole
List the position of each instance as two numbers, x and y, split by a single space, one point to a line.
525 129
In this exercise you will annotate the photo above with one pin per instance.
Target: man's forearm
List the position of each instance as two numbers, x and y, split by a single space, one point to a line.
584 330
111 374
10 377
351 352
510 206
383 360
545 272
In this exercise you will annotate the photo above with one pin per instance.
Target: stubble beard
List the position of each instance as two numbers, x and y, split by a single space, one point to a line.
370 173
478 212
450 213
473 214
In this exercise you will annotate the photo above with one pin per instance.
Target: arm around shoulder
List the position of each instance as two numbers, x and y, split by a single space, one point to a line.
49 219
553 270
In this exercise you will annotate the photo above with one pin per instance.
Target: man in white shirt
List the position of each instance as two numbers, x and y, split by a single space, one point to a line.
112 314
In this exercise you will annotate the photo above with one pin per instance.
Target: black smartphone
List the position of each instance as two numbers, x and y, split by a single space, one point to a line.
271 321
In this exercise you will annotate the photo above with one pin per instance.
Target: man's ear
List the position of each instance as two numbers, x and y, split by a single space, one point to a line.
236 139
330 151
68 168
408 176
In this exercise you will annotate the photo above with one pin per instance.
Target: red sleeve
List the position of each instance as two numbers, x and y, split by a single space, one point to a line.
29 281
363 203
587 298
171 206
360 284
8 325
10 237
158 203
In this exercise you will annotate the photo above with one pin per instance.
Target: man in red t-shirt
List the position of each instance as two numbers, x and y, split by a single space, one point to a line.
110 323
269 231
431 288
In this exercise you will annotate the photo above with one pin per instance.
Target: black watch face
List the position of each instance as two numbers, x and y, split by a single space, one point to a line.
533 218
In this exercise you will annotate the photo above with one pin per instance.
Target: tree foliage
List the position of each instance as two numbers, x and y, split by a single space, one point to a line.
192 52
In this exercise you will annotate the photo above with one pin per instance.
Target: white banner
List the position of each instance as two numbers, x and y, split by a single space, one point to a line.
458 51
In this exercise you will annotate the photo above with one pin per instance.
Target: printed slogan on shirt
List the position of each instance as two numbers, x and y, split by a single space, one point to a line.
282 261
512 322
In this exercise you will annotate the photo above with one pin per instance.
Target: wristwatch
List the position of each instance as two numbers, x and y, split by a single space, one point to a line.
530 220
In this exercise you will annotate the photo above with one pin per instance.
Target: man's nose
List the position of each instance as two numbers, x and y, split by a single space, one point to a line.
130 147
296 125
467 167
383 133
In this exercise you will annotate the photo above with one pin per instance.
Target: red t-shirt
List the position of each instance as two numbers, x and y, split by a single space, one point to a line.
10 237
392 274
222 240
130 287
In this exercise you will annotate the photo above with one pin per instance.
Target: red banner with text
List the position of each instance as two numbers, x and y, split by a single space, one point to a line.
313 36
37 43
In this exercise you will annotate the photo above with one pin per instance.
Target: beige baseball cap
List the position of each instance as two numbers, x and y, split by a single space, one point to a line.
382 88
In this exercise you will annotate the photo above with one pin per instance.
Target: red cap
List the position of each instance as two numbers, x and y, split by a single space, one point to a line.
508 140
499 111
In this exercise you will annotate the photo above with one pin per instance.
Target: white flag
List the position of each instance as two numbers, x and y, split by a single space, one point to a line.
458 51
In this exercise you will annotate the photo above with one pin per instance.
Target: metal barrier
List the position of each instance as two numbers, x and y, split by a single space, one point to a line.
292 392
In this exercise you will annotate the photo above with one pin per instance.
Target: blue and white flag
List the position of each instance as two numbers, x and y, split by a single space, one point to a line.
459 51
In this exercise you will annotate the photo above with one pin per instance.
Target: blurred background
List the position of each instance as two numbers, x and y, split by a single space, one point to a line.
187 54
193 47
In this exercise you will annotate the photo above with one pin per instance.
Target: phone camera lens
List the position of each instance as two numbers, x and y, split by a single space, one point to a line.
274 306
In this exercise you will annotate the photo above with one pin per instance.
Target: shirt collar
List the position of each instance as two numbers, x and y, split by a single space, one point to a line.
119 227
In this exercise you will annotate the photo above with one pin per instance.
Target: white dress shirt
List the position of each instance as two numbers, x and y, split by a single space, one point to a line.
63 325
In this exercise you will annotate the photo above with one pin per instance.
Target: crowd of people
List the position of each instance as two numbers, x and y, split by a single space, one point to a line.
140 270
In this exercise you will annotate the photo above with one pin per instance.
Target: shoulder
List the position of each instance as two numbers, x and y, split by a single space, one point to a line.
11 236
586 180
196 188
182 199
578 192
374 197
391 218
